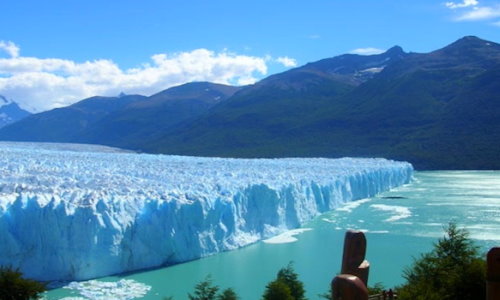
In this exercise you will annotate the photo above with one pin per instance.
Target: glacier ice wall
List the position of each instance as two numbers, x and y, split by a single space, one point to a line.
77 212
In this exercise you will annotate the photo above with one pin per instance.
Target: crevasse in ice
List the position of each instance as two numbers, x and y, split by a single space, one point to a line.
74 212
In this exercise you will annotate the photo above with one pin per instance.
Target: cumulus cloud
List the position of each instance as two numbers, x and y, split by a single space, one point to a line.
465 3
367 51
480 13
41 84
10 48
287 61
474 11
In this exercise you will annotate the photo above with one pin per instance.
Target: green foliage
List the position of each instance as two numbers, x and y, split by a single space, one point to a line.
287 281
204 290
277 290
291 279
452 270
228 294
14 287
437 111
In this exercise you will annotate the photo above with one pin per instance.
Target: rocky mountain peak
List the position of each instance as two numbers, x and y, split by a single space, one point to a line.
470 45
4 101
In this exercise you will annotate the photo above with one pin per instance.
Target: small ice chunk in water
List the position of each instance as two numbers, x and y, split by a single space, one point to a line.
286 237
124 289
400 212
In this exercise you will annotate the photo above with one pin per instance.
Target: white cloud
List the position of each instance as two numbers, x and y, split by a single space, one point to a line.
367 51
465 3
480 13
287 61
496 23
41 84
314 36
10 48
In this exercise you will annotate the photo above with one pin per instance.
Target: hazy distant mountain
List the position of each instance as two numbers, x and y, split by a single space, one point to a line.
65 124
10 112
438 110
124 121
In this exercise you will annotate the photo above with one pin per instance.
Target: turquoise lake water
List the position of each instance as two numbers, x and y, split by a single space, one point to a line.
399 224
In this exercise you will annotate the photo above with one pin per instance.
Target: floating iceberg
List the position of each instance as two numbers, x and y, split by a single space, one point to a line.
124 289
70 212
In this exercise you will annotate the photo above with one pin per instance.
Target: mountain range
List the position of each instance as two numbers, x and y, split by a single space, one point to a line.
437 110
124 121
10 112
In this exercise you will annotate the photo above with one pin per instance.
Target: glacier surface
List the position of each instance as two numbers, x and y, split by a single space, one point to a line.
75 212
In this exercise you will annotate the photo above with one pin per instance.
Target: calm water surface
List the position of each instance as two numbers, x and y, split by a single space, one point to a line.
399 225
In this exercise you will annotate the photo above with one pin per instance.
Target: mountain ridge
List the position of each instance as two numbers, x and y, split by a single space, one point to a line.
437 110
113 120
10 112
407 111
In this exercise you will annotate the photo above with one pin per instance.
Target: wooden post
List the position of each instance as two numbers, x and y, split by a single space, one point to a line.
348 287
493 274
353 259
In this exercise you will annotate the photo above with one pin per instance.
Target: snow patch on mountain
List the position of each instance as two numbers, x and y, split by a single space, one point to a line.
10 112
373 70
4 101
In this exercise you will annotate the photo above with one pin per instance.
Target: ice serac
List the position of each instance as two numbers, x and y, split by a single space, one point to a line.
78 212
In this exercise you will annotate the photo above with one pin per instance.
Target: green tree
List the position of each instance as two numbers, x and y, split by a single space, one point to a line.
452 270
228 294
286 277
277 290
205 290
14 287
291 279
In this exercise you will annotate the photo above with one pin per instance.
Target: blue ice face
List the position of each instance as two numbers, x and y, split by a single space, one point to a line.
80 211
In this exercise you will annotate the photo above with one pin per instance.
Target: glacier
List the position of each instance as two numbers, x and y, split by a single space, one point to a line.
76 212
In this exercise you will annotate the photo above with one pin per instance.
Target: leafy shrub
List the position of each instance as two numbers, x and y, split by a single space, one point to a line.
14 287
452 270
228 294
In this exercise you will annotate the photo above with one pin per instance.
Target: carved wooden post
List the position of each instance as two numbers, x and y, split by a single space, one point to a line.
353 260
352 283
493 274
348 287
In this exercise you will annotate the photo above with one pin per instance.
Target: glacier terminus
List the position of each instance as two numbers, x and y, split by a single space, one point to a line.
75 212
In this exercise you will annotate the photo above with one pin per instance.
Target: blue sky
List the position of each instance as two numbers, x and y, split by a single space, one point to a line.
53 53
